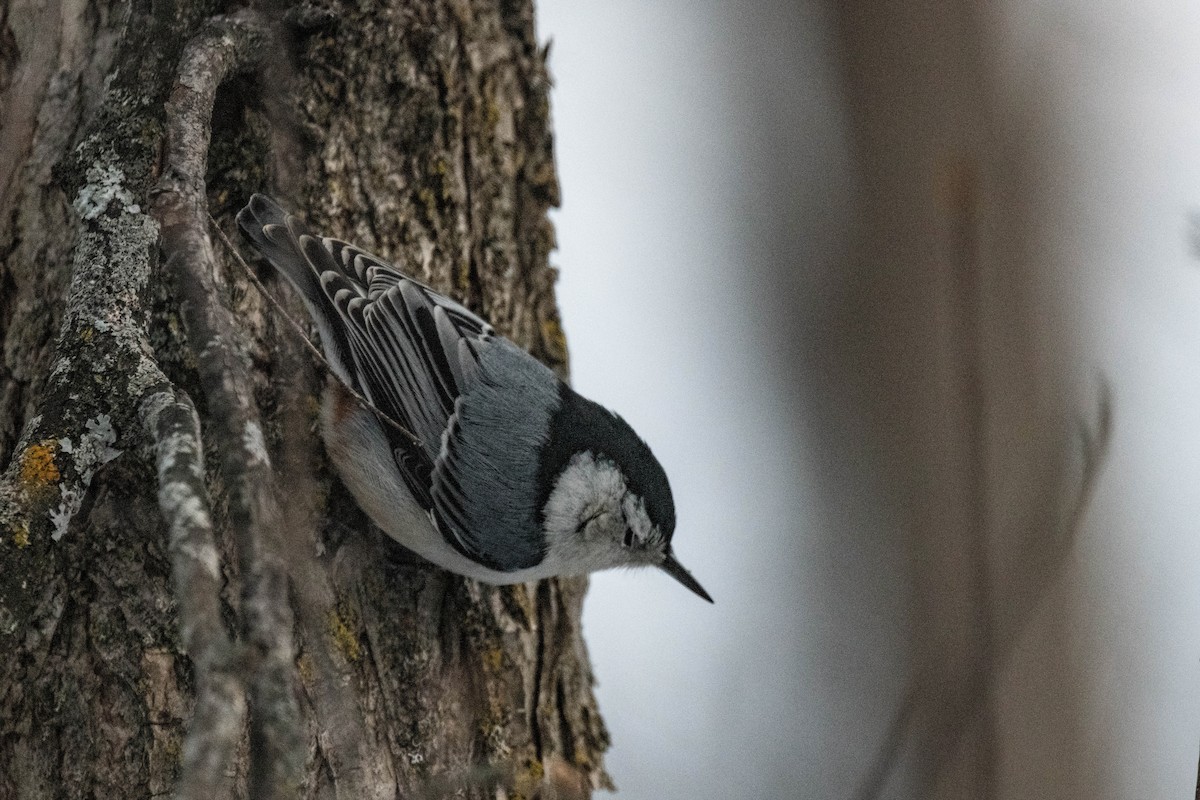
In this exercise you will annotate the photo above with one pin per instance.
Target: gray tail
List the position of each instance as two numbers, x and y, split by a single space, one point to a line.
278 235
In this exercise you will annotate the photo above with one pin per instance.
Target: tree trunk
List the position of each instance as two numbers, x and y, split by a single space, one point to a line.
418 129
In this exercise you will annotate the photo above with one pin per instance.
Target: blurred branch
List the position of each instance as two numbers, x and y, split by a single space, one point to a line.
919 700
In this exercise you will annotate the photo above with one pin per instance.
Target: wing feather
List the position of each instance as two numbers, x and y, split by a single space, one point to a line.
399 363
416 355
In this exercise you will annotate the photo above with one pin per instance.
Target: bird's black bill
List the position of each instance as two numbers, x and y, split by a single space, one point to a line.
676 571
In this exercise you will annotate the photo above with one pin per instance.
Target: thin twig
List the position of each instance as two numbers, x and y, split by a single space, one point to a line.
312 348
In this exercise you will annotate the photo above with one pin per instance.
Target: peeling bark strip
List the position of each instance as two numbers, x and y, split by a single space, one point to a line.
224 46
419 128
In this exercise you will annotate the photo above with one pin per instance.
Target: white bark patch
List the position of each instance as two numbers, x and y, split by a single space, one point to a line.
145 374
255 445
93 450
105 184
60 517
154 405
187 511
171 448
60 367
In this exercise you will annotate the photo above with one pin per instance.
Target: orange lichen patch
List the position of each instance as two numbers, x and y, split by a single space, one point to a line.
37 466
21 537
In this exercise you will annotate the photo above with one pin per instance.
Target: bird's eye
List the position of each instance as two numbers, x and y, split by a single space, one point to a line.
628 540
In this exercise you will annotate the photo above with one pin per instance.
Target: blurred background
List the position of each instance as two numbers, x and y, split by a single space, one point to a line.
904 296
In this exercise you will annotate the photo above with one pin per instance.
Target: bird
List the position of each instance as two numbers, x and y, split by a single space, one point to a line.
468 450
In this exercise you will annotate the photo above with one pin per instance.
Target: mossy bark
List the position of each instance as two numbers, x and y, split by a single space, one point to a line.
419 130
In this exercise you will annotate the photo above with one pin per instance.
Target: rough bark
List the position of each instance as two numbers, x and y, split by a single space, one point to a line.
419 130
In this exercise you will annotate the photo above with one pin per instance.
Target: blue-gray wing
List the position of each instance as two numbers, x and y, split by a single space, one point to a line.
479 405
485 479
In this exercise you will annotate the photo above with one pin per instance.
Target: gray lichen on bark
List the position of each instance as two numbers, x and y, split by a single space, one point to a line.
420 130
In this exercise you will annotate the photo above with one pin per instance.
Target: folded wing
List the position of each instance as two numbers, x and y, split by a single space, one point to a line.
416 355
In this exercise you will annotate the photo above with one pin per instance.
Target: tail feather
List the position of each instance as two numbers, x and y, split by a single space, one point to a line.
279 237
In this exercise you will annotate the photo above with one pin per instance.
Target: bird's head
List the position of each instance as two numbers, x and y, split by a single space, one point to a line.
607 511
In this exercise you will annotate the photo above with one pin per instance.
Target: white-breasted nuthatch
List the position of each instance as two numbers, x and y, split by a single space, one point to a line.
516 477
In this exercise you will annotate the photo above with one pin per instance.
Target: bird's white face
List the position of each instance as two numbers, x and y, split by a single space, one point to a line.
593 521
